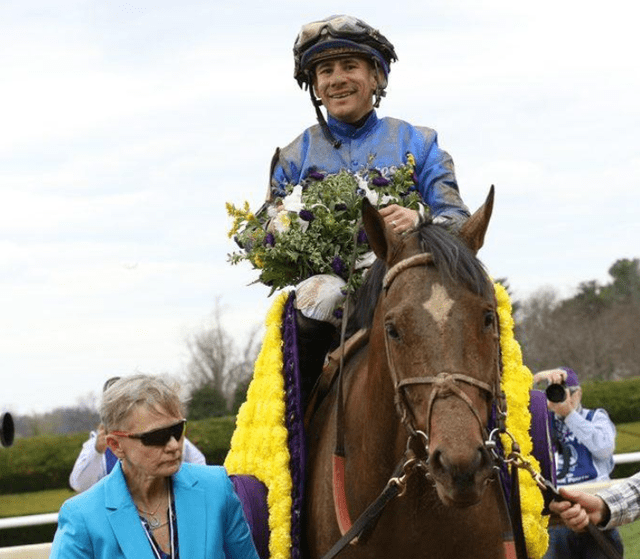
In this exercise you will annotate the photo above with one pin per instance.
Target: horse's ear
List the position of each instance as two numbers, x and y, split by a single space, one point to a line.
473 231
375 228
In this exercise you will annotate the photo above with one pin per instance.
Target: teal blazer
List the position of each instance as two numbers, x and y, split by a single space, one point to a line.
103 522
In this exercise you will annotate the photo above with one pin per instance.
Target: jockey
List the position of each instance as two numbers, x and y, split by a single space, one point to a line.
345 63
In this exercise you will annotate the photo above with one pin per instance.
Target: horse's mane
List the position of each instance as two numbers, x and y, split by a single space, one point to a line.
456 263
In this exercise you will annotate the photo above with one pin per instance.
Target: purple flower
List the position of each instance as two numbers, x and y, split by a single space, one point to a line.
306 215
315 175
269 240
338 313
362 236
380 181
414 177
337 265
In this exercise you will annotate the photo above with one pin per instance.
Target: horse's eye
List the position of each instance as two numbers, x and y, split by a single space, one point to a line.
392 331
489 319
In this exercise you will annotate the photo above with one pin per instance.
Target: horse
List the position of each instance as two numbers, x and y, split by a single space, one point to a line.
420 390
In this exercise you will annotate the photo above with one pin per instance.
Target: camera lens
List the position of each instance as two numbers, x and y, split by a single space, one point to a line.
6 430
556 393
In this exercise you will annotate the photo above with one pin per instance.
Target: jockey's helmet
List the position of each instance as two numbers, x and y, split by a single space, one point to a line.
339 36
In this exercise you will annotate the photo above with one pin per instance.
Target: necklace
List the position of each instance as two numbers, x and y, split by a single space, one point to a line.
152 519
157 551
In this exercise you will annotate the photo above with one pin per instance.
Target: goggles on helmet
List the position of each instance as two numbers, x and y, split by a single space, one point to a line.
339 35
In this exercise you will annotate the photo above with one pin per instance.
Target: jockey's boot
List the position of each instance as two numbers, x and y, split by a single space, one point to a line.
315 338
317 298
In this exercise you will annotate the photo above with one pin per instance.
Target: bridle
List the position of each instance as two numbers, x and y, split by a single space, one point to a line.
445 383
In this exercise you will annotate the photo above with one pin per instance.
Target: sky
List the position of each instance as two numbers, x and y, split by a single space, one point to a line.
126 126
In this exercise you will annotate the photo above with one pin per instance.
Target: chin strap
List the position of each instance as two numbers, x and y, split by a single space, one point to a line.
321 120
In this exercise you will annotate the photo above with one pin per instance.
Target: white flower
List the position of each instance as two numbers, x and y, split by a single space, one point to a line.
293 201
372 195
282 222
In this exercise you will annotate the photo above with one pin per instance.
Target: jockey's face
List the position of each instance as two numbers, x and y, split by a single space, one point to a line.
346 87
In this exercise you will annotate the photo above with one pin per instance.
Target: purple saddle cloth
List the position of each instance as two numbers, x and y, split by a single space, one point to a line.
253 496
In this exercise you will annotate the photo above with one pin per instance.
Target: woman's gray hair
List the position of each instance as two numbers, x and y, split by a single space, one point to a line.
127 393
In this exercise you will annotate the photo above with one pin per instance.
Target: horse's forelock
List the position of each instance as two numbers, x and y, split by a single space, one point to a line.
456 263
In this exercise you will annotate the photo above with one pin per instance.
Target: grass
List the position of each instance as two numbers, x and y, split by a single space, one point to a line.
36 502
631 538
628 439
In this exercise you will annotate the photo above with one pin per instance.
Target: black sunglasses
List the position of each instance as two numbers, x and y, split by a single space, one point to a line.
157 437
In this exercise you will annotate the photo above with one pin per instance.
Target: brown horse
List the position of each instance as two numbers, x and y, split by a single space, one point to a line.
426 381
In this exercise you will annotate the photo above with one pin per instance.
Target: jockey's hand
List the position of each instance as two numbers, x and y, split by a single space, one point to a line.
582 509
400 219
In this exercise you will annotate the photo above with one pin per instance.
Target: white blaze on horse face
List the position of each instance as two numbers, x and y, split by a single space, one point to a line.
438 304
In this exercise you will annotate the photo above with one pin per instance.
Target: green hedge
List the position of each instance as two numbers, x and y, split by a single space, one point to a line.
620 398
45 462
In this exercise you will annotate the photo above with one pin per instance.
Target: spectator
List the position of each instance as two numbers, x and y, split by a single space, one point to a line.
584 441
152 504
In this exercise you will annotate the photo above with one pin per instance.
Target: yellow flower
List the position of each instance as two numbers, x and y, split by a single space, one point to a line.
240 216
411 160
517 381
259 442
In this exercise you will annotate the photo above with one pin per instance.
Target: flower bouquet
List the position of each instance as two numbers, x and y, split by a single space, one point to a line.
316 228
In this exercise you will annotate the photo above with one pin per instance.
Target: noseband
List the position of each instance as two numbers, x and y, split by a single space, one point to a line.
445 383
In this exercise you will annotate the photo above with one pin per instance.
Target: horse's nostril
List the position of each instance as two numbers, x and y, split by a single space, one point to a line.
436 461
485 458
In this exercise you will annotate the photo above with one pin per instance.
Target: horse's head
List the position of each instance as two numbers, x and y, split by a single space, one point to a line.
435 325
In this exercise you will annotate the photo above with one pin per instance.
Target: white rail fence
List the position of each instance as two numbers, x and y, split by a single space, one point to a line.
41 551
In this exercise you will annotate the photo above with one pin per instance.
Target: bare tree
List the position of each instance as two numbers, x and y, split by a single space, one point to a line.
593 332
216 361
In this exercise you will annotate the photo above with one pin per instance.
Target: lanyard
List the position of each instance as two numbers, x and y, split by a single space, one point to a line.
155 547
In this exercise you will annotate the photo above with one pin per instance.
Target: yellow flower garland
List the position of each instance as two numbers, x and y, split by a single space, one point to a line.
517 381
259 442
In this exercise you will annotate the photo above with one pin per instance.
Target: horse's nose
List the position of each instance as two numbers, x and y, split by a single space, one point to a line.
462 469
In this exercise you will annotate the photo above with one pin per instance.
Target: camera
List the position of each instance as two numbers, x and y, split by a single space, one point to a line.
7 430
556 392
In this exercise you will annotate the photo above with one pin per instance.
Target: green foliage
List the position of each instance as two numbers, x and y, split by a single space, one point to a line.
41 462
212 436
620 398
45 462
207 401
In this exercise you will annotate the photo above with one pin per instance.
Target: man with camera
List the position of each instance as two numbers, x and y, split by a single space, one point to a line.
584 441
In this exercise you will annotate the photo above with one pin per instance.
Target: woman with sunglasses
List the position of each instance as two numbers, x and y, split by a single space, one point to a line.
344 63
152 504
96 459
